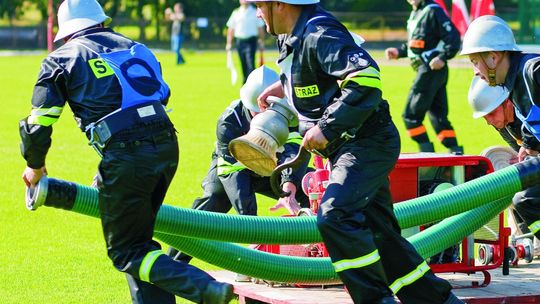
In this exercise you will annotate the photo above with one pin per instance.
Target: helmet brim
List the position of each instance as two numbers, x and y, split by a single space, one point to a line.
475 50
244 97
72 26
491 108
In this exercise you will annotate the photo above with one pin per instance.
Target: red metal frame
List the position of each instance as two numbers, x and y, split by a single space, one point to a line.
405 184
406 172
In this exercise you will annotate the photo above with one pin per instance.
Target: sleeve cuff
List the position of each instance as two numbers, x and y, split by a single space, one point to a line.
329 134
35 165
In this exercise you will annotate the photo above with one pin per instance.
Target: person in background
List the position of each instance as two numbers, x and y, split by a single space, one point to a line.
247 30
230 184
177 16
432 41
115 89
335 87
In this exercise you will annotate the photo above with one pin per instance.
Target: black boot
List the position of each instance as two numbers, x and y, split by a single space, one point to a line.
147 293
387 300
426 147
458 150
452 299
218 293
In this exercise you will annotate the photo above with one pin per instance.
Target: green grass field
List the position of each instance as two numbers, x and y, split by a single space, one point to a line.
55 256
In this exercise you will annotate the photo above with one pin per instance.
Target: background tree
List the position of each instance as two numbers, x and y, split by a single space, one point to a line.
10 9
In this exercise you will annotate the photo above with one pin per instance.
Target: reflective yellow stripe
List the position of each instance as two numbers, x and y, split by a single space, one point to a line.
360 262
368 77
535 227
147 263
54 111
44 116
370 71
410 278
224 167
366 82
294 138
41 120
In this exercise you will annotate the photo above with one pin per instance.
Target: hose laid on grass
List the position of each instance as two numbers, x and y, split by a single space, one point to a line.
298 230
273 267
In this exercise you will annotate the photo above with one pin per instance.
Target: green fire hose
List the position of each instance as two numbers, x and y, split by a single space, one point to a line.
297 230
182 228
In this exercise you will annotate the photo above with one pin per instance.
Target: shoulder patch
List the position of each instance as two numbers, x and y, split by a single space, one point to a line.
447 26
357 60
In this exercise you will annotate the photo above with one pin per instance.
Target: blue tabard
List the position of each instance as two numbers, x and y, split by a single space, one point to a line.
143 89
139 74
531 120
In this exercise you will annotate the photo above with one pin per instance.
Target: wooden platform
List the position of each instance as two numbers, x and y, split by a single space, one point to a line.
521 286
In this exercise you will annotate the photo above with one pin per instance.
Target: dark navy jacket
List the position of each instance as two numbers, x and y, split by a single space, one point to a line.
335 83
523 82
70 74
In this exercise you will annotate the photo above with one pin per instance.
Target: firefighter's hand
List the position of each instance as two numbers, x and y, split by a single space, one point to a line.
513 160
314 139
391 53
436 63
523 153
288 202
32 176
273 90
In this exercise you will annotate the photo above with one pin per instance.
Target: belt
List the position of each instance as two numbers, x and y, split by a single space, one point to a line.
153 139
102 131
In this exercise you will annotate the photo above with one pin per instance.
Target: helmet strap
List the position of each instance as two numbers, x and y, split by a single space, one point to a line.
492 73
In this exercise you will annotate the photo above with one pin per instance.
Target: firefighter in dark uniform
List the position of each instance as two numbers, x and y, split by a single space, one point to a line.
228 183
500 105
335 87
432 41
115 89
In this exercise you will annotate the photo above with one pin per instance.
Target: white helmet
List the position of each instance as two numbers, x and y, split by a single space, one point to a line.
257 81
295 2
484 98
76 15
488 33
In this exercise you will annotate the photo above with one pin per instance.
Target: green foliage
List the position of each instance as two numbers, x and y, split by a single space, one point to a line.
55 256
10 8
